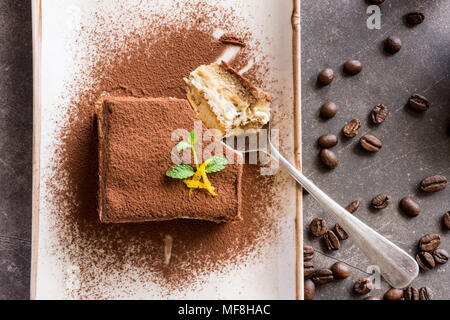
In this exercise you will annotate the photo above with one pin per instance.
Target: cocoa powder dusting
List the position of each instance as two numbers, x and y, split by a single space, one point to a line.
152 64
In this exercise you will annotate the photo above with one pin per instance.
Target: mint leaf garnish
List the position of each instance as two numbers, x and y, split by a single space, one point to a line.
183 145
192 137
181 171
218 163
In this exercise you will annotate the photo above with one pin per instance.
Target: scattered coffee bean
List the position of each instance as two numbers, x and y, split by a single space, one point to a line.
340 270
370 143
418 102
308 253
322 276
331 240
376 1
447 220
352 67
329 158
328 110
310 289
425 260
410 207
318 227
381 201
372 298
328 141
308 268
352 207
434 183
394 294
429 242
362 286
351 129
379 113
325 76
414 18
411 293
440 256
340 232
392 44
425 293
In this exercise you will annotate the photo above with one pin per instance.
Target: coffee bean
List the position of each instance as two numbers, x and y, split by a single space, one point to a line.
379 113
331 240
392 44
351 129
418 102
381 201
429 242
352 67
440 256
410 206
352 207
414 18
434 183
372 298
340 233
329 158
370 143
322 276
318 227
376 1
425 260
325 76
425 293
328 141
308 253
394 294
308 268
447 220
411 293
328 110
309 289
340 270
362 286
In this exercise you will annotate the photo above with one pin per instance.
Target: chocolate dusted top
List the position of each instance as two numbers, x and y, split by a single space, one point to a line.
134 155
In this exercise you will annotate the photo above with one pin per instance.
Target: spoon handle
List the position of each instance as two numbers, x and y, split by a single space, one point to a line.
397 267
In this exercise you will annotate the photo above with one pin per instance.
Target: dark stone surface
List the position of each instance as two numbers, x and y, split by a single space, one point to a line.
414 145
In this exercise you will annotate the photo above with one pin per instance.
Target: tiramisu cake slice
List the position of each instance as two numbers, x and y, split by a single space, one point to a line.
135 154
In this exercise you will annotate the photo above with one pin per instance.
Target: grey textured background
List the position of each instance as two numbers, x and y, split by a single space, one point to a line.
414 145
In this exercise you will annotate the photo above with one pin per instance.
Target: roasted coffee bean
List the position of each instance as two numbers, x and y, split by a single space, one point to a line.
447 220
328 141
414 18
362 286
392 44
381 201
308 253
340 270
425 293
351 129
429 242
379 113
372 298
411 293
425 260
329 158
310 289
331 240
322 276
352 67
328 110
434 183
440 256
352 207
318 227
418 102
308 268
370 143
376 1
340 232
410 206
325 77
394 294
